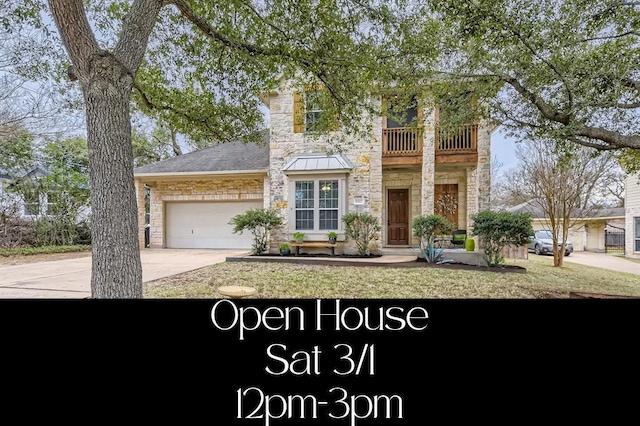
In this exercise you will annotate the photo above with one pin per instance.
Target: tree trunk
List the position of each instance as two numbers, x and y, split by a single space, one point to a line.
106 79
116 268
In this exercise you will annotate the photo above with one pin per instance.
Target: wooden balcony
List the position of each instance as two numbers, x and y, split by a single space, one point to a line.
457 146
401 146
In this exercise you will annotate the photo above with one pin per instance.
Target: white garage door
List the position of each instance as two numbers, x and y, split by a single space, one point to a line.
206 225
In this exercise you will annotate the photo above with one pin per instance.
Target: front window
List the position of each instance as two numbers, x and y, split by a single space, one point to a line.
31 203
305 195
328 204
55 205
317 205
637 234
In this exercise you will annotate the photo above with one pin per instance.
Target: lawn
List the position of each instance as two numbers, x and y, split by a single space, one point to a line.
274 280
19 256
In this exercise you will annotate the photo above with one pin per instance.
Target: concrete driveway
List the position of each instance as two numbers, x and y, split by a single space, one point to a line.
602 260
71 278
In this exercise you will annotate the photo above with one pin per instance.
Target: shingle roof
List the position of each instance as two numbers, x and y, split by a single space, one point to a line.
231 156
534 209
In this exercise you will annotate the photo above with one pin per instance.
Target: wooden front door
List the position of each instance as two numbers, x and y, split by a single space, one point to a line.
446 202
398 217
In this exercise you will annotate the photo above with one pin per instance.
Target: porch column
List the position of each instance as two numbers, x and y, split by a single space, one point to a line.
375 176
140 200
428 164
484 167
472 196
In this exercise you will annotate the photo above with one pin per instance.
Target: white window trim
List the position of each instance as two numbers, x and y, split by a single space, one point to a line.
317 234
635 238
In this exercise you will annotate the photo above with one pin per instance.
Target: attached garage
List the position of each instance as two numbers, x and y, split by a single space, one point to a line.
206 224
187 201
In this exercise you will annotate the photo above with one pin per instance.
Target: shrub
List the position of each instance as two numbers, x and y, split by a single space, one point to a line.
363 228
29 251
500 229
470 244
426 228
259 222
17 232
83 233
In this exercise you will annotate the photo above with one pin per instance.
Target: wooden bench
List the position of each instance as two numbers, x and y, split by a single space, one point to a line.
314 245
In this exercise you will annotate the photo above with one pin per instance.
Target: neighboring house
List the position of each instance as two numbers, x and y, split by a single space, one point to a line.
395 174
31 203
29 206
632 216
588 228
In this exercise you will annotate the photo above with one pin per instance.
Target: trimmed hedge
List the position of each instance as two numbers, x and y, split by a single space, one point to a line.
29 251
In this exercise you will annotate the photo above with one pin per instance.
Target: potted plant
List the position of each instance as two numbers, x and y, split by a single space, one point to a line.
285 249
333 236
298 236
470 244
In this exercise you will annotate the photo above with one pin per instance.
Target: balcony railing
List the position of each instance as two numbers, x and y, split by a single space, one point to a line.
464 139
402 141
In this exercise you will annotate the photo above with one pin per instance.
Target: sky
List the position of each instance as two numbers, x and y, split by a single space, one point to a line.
503 148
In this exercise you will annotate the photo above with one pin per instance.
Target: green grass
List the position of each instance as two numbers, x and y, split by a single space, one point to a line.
30 251
277 280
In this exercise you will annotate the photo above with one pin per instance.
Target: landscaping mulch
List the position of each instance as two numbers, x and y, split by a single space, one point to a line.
326 260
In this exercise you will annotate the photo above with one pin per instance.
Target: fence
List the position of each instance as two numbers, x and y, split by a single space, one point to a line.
614 241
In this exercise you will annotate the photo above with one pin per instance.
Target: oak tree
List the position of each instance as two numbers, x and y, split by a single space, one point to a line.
201 67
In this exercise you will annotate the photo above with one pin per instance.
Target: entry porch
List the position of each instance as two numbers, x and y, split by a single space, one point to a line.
451 192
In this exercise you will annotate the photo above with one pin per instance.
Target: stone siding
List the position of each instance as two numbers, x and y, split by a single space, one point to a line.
214 189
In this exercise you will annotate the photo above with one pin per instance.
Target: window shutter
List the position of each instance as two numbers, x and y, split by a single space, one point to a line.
298 113
383 105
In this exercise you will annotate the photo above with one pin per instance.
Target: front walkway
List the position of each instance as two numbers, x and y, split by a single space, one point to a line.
602 260
71 278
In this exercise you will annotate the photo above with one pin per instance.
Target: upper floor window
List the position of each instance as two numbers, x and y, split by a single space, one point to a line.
313 111
309 114
401 112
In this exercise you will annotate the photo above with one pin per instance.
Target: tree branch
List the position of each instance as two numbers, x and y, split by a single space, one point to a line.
627 106
211 33
544 108
535 53
599 147
76 33
631 84
153 106
610 37
136 29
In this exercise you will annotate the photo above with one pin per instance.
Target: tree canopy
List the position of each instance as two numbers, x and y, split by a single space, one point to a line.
565 70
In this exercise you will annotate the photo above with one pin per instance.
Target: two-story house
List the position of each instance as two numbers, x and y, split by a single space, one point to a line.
396 173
